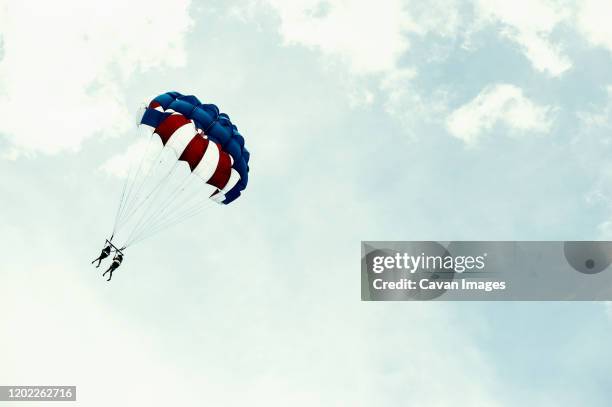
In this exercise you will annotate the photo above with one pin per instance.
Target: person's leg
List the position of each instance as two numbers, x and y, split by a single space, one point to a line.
111 274
95 260
102 257
109 269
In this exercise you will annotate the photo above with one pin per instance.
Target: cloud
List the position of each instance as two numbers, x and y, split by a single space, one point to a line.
373 40
119 164
371 37
501 103
593 22
530 24
367 36
64 64
367 42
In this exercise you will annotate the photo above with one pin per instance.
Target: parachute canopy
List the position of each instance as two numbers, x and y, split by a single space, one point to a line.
191 145
204 138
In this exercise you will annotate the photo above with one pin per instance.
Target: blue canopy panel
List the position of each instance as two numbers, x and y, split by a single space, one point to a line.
217 127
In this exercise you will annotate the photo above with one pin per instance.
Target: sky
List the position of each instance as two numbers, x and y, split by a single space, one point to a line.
391 120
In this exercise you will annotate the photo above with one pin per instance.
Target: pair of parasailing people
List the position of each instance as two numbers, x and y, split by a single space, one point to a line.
117 259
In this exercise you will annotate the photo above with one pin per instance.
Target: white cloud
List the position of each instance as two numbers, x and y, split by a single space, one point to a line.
368 36
65 62
371 36
594 23
530 24
119 165
501 103
367 40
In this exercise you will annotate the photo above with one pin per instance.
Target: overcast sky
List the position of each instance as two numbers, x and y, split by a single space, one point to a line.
386 120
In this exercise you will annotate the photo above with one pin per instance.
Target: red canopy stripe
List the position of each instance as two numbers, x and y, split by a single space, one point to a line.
169 125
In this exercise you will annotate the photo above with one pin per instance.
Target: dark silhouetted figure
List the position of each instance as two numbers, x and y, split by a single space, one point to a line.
105 253
114 265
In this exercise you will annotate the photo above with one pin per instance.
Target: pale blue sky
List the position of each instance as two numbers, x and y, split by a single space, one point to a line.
398 120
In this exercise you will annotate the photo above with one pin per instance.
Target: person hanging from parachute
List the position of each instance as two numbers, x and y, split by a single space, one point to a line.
203 145
114 265
104 254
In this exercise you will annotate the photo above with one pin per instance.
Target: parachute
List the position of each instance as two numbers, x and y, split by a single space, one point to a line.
194 155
